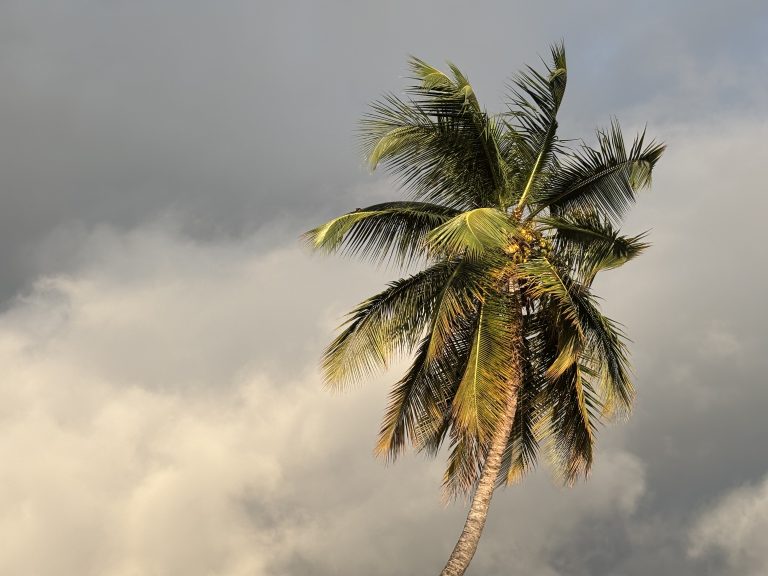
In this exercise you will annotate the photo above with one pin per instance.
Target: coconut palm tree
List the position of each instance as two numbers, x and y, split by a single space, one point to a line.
508 226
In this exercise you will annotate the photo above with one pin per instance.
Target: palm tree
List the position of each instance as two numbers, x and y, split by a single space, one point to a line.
509 227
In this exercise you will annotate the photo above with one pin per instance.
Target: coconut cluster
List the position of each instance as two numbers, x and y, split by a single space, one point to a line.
527 242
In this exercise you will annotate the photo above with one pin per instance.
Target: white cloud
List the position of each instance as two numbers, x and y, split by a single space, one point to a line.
160 414
736 527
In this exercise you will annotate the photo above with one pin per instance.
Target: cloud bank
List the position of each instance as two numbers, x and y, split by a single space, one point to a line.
161 414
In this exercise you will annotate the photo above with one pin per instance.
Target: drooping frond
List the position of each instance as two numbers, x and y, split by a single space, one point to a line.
418 403
544 280
575 413
607 355
439 144
522 448
492 371
411 401
590 244
465 461
391 230
482 392
584 333
458 298
602 180
388 323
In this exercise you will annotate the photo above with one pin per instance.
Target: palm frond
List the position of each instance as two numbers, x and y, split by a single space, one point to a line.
483 391
472 233
531 138
591 244
439 144
458 300
608 355
418 403
583 332
384 325
544 280
575 414
388 231
491 369
521 452
465 461
602 180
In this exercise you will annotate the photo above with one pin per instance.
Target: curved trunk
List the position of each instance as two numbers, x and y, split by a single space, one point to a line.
467 545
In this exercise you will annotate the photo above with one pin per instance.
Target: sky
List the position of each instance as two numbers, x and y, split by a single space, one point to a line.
161 410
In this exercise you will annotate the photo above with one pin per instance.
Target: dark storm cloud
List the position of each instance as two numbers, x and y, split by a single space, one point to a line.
232 114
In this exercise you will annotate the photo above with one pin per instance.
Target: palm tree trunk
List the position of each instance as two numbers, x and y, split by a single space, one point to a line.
467 545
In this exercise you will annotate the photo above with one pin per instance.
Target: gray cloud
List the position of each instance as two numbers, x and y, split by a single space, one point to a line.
233 114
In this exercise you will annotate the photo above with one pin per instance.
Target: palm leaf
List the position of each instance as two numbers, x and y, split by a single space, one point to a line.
491 369
591 244
472 233
438 143
465 461
584 333
418 403
391 230
384 325
536 98
522 448
575 410
602 180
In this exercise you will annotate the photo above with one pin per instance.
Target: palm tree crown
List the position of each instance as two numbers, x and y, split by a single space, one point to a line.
509 228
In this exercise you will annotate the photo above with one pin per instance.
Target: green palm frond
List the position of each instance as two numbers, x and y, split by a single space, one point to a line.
575 414
522 448
413 405
384 325
584 333
532 135
388 231
464 464
607 351
591 244
491 369
459 298
482 392
540 349
472 233
417 410
438 143
543 279
602 180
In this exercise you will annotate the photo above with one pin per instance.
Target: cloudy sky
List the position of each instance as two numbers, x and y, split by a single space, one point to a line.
160 324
